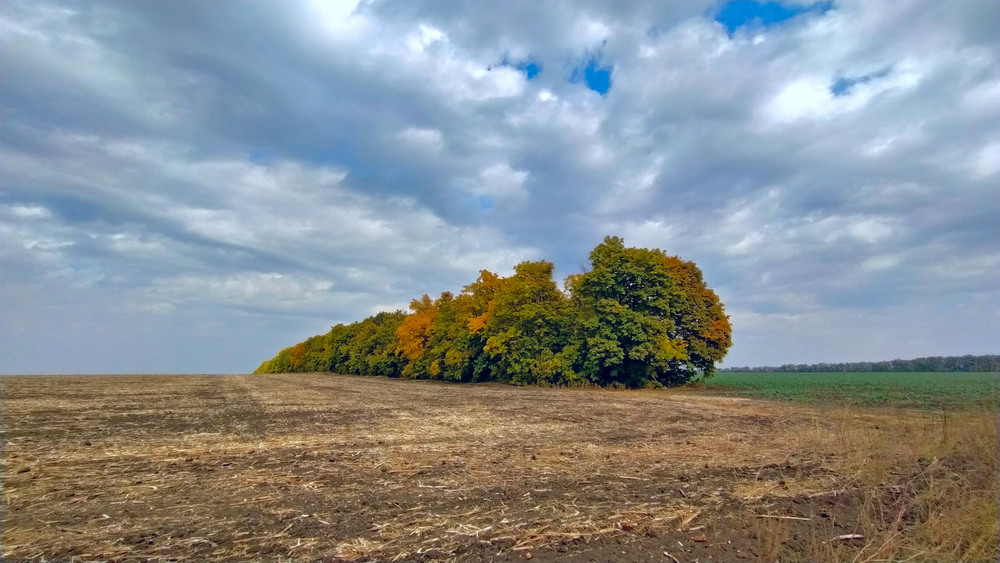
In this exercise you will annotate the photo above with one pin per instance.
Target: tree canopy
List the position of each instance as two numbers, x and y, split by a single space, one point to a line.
638 317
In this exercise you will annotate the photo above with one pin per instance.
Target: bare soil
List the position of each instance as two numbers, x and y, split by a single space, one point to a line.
339 468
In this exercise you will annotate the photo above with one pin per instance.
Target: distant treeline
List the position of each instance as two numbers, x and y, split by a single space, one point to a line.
639 317
929 364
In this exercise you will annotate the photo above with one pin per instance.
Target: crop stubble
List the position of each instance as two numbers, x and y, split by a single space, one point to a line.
318 467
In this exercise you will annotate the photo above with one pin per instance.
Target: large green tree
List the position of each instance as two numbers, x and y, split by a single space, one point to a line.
645 317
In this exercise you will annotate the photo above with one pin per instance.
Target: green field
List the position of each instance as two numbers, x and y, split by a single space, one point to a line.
909 390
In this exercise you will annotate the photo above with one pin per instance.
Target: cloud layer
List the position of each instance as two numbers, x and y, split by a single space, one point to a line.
191 186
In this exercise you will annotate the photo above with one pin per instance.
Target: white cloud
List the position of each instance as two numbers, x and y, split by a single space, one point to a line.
29 211
336 16
264 289
808 97
132 244
986 161
427 141
500 181
881 262
812 97
835 229
424 37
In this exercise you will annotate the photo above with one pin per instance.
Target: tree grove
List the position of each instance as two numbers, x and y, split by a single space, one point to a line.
639 317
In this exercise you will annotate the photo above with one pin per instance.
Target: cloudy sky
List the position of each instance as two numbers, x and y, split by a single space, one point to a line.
191 186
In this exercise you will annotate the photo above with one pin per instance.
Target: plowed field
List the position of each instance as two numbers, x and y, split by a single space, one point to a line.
338 468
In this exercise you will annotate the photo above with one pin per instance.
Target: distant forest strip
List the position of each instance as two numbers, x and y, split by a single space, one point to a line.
638 318
929 364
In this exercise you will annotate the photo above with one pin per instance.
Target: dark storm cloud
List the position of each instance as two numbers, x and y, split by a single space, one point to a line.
208 174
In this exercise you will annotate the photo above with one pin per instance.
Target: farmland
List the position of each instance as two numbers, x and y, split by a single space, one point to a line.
906 390
340 468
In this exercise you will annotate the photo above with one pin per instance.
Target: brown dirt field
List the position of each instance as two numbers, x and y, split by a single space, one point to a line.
338 468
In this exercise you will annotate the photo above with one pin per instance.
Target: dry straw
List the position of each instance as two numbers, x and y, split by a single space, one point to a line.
306 468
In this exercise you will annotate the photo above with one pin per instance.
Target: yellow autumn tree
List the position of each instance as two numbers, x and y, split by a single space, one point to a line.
482 300
414 332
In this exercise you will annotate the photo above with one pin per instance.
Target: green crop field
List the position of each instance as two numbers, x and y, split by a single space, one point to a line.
908 390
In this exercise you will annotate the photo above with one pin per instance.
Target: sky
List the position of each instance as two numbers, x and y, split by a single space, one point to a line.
191 186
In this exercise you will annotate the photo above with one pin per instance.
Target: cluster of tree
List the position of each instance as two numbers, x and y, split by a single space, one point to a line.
930 364
638 317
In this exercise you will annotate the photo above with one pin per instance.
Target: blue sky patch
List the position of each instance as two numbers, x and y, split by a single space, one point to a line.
529 67
843 85
530 70
596 78
737 13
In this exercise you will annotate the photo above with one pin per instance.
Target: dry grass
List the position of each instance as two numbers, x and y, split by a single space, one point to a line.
928 484
304 468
